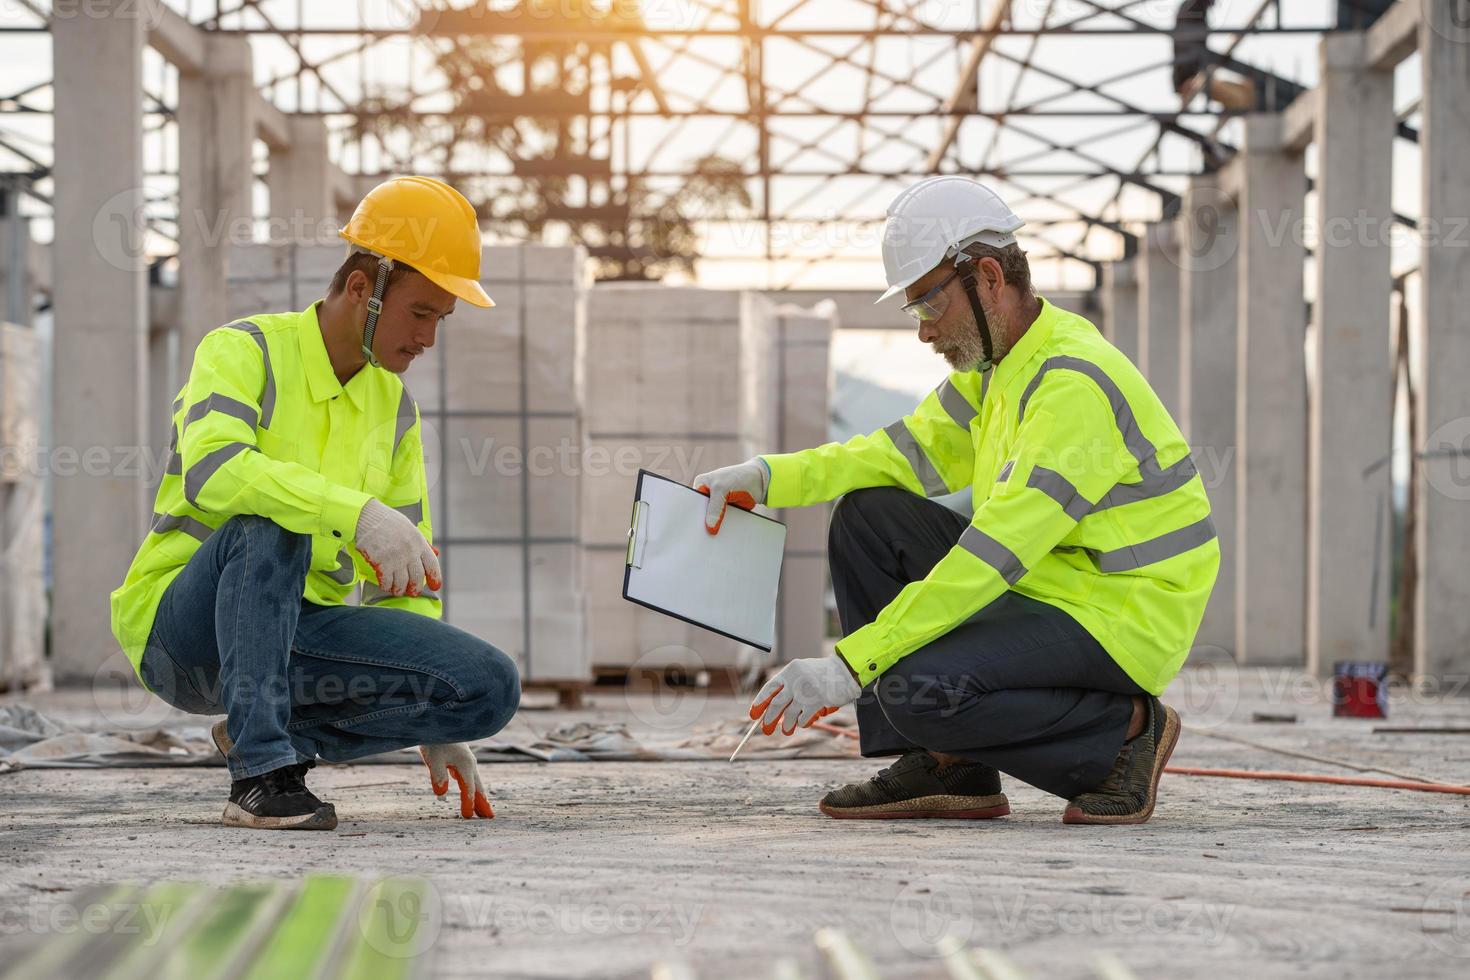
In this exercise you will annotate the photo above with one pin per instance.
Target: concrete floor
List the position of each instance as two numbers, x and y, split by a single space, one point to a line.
604 869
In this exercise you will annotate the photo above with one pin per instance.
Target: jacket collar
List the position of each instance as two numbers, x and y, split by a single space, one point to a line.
321 380
1032 341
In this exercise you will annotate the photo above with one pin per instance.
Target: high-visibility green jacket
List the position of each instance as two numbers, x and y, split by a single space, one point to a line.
263 427
1085 498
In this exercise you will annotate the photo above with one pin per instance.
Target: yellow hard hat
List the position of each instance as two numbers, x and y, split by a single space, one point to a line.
426 224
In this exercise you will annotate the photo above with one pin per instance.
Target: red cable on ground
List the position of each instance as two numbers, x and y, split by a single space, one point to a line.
1304 777
1292 777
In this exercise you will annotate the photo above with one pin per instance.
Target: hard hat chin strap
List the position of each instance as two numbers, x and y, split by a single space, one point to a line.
375 306
967 279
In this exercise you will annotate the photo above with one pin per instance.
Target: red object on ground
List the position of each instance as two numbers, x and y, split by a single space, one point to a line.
1358 689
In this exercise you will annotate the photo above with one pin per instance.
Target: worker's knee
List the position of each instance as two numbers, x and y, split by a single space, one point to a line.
289 551
489 690
853 514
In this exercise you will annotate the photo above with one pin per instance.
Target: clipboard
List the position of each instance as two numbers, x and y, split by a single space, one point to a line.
726 583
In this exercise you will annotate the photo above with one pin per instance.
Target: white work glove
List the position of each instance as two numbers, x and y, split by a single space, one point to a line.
803 691
743 485
392 544
455 759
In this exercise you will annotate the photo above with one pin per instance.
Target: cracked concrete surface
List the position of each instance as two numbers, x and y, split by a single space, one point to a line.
603 869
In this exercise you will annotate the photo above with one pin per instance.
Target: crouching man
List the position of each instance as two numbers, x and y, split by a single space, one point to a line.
1035 638
296 471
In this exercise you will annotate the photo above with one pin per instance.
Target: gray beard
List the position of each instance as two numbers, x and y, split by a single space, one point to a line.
967 353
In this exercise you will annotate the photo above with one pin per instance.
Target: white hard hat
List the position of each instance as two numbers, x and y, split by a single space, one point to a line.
936 218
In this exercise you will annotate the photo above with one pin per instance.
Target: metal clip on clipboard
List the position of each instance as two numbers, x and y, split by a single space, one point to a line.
637 534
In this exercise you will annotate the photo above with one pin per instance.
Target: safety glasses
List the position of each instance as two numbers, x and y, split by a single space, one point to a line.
931 305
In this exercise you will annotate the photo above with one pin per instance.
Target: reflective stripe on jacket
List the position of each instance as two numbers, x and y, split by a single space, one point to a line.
1085 496
263 427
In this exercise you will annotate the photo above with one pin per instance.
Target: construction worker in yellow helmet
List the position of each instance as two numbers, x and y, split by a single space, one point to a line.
296 474
1034 637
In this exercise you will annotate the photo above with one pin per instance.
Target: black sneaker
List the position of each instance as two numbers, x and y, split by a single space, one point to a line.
1128 793
278 800
918 786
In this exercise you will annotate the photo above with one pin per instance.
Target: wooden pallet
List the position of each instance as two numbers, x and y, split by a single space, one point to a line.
715 680
569 694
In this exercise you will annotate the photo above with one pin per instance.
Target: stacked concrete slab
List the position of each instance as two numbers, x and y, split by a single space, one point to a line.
499 402
502 431
801 344
678 381
272 278
23 600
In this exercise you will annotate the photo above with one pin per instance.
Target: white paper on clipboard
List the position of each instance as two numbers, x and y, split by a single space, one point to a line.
724 582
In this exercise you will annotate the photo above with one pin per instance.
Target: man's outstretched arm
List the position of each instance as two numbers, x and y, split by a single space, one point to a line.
927 452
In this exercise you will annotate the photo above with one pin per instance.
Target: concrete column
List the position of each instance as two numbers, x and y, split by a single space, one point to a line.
17 288
1158 311
1120 306
1270 402
303 184
1207 342
1349 508
216 139
1442 626
99 376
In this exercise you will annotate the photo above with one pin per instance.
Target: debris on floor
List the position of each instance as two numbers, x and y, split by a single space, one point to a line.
30 740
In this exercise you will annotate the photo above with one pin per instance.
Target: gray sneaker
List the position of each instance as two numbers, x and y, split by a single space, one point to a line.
1128 793
916 786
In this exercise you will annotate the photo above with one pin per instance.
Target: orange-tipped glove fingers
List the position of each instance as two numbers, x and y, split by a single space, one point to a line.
803 691
405 561
456 759
743 485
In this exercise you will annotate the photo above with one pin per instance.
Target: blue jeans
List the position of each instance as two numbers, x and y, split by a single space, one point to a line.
233 635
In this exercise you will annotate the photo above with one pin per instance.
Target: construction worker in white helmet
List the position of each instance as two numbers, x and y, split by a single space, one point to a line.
1035 637
297 472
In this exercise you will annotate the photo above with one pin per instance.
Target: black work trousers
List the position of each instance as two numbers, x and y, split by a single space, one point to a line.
1020 686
